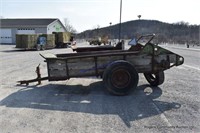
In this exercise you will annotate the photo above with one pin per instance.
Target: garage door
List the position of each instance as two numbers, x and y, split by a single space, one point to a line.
26 31
5 36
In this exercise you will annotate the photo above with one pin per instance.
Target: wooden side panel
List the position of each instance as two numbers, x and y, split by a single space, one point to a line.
57 69
103 62
78 67
81 66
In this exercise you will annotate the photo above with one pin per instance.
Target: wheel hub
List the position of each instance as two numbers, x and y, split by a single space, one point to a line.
120 78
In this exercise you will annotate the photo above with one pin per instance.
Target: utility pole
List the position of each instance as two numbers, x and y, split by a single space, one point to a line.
110 33
120 20
199 35
110 29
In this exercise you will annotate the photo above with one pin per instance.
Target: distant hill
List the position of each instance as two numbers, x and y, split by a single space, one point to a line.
180 32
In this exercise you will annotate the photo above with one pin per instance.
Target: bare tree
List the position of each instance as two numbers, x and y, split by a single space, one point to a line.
95 30
68 26
96 27
182 23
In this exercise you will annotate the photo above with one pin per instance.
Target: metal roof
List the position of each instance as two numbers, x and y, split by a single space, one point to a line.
26 22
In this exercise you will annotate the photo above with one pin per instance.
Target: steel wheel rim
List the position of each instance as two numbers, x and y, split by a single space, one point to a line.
120 78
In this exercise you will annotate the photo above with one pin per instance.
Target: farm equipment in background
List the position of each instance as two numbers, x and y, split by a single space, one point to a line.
63 39
44 41
99 40
35 41
118 68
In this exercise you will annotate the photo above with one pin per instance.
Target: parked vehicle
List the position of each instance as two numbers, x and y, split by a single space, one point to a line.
118 68
35 41
63 39
99 40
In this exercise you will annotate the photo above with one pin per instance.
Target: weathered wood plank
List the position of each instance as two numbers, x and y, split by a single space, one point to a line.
81 66
57 68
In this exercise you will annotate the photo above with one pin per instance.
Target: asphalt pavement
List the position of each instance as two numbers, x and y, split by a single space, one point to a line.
83 105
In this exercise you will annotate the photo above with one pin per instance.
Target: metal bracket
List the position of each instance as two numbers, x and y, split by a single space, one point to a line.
38 79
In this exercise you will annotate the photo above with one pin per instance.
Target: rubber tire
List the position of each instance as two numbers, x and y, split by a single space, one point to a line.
155 79
38 47
43 47
127 68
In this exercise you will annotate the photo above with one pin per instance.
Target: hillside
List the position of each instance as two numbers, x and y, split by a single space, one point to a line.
173 33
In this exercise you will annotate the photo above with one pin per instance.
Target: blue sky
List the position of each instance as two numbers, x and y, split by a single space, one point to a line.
86 14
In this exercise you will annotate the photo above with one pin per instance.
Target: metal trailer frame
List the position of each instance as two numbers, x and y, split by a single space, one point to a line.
118 68
98 48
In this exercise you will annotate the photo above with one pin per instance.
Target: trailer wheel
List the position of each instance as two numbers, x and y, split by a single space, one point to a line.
155 79
42 47
38 47
120 77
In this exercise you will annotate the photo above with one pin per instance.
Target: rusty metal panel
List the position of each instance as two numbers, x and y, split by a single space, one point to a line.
137 60
144 68
170 57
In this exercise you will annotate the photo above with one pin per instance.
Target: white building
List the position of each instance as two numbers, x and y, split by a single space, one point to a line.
10 27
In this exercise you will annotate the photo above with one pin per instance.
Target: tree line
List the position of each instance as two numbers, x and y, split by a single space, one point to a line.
180 32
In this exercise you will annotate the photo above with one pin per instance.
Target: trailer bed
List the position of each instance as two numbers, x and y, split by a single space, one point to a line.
65 66
118 68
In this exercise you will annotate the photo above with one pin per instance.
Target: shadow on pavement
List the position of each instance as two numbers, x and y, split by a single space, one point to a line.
92 99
